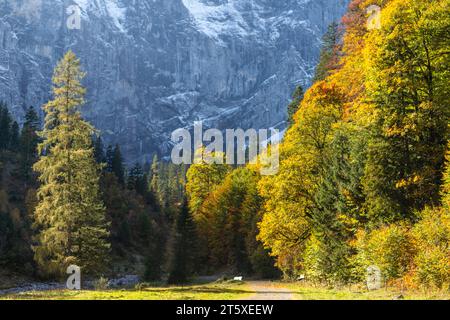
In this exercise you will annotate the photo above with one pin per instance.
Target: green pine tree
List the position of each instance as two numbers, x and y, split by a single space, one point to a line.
28 144
117 165
14 137
154 257
137 180
99 151
335 204
70 215
5 126
182 247
328 56
293 107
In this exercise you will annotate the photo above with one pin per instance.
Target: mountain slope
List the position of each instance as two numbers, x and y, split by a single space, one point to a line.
156 65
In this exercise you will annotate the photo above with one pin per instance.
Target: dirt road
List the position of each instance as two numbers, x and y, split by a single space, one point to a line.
266 290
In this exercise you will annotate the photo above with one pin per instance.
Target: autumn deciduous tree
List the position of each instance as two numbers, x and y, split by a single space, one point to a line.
289 195
407 82
203 178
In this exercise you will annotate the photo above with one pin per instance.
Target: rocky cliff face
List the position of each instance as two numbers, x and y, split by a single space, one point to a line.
157 65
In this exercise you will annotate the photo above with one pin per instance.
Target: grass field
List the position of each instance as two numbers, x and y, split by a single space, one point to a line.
309 292
230 291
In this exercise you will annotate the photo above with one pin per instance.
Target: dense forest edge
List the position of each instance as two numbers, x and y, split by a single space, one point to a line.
363 181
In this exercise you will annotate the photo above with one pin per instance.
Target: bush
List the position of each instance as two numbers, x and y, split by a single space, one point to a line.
141 286
311 259
101 284
327 262
432 236
290 263
390 248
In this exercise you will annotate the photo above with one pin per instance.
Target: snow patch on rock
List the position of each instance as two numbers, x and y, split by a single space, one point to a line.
217 20
116 13
110 8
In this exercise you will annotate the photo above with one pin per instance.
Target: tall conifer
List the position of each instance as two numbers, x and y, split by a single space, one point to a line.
70 215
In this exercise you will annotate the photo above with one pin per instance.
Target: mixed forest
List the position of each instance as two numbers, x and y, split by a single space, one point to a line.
363 181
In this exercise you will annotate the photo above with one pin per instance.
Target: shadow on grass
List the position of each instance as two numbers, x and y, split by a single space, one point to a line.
189 290
198 290
214 290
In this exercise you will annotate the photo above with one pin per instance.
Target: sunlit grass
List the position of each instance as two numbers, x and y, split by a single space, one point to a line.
229 291
197 292
305 291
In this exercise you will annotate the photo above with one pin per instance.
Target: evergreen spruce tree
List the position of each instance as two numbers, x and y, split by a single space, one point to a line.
99 152
117 166
328 56
5 126
14 137
182 247
295 104
109 158
28 144
137 180
70 215
336 204
28 136
154 257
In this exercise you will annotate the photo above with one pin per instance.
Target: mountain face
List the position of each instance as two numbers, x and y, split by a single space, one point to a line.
157 65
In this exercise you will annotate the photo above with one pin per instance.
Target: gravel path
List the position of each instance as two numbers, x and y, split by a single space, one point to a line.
266 290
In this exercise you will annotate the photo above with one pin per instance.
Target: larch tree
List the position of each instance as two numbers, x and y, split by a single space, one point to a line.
70 216
445 192
154 176
203 178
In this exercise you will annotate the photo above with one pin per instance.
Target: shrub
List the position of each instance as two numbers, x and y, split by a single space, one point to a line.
327 262
390 248
141 286
290 263
432 236
311 260
101 284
